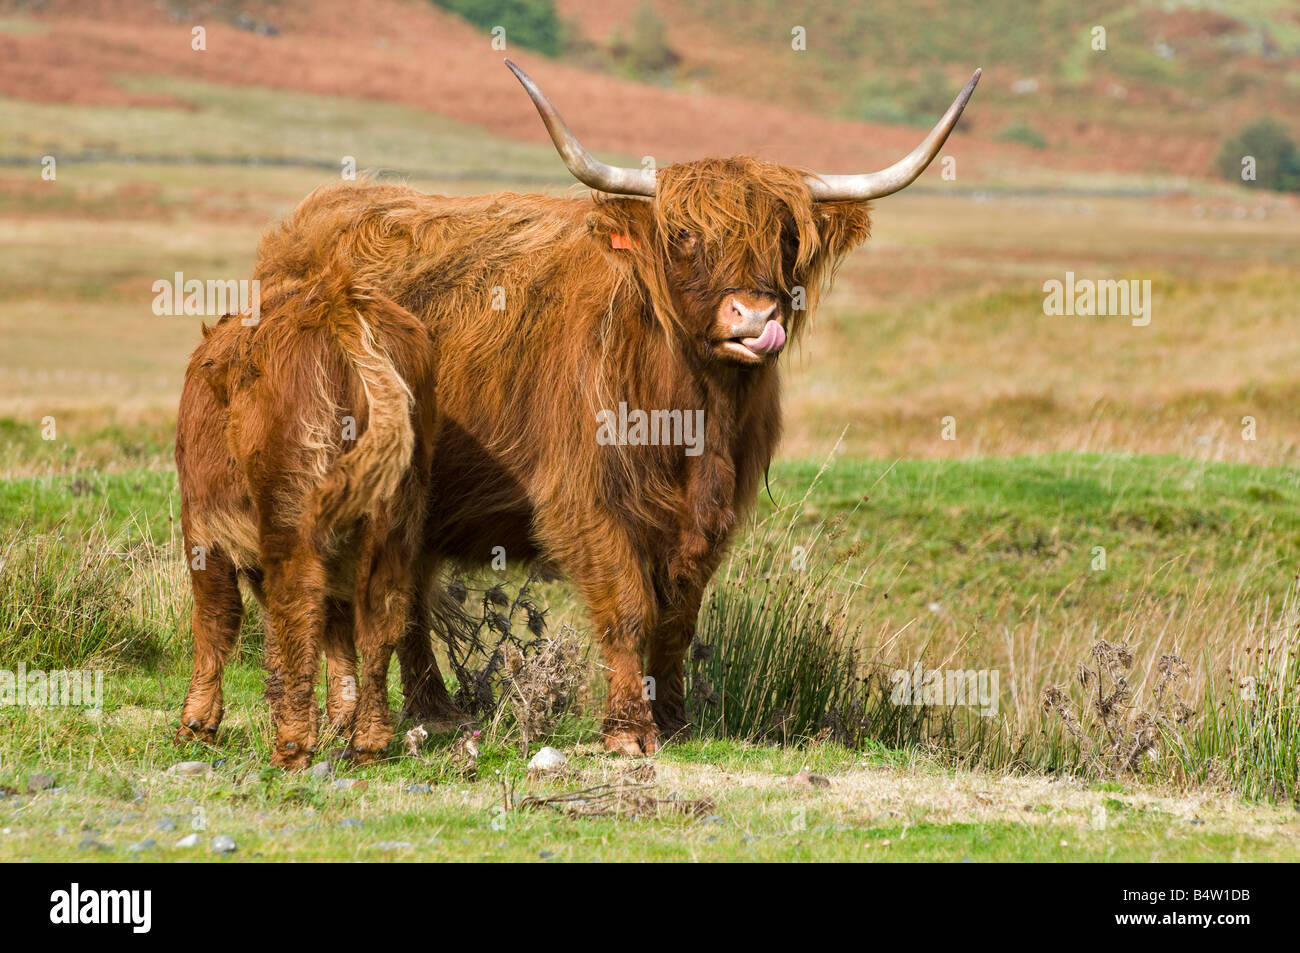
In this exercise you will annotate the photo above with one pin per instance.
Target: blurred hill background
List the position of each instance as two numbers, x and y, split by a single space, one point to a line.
1105 141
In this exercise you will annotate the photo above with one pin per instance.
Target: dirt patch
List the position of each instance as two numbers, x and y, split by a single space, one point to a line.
889 797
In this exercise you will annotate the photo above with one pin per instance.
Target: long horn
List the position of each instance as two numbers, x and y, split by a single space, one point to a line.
872 185
587 170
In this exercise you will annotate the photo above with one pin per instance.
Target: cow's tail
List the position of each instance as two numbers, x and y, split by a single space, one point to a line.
366 477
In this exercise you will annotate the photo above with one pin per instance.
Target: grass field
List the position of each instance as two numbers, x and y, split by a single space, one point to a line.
966 482
976 564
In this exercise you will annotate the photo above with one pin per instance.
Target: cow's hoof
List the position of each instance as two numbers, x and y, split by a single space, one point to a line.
630 741
193 731
291 756
359 755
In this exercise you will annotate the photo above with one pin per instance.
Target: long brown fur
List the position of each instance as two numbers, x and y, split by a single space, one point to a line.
538 324
327 530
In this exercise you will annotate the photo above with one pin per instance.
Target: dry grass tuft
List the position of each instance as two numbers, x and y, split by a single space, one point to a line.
633 794
1113 734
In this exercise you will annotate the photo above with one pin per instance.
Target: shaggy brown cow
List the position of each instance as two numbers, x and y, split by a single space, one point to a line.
327 539
550 318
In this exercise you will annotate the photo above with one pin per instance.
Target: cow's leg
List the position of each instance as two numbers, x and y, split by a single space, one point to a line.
218 611
427 701
295 611
270 655
616 588
666 663
340 666
382 605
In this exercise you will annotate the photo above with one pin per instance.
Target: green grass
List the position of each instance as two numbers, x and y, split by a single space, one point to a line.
973 564
112 790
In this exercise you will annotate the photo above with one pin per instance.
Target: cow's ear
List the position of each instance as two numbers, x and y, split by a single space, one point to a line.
842 227
216 373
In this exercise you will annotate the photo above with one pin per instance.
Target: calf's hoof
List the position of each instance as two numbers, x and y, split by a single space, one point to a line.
194 731
292 756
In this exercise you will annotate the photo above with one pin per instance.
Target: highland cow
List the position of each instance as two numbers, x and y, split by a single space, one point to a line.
329 541
667 293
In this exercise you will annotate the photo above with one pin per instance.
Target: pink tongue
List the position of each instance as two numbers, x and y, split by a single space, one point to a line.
769 342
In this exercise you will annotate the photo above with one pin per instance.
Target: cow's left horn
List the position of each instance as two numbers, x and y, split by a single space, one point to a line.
586 169
872 185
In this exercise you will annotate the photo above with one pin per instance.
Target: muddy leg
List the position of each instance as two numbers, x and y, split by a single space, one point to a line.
666 665
617 591
340 665
381 610
295 608
218 611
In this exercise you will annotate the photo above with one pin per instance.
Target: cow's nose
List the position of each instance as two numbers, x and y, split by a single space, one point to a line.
742 314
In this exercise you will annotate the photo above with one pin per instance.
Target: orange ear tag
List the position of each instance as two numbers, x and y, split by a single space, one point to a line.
622 241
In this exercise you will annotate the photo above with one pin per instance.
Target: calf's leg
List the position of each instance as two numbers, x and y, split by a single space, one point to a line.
295 607
382 604
218 611
340 666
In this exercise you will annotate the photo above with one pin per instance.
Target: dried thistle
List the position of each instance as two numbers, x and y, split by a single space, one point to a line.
1119 734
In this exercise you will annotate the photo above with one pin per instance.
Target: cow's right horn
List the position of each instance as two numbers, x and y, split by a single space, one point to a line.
586 169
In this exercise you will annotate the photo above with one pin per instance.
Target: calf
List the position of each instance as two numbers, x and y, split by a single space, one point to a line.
304 448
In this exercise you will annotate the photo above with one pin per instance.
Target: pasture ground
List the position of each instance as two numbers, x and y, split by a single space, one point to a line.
979 552
1015 592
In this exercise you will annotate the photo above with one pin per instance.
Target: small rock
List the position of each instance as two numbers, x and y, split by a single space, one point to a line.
547 761
812 780
322 769
166 824
89 843
546 855
140 846
223 844
351 784
419 789
190 769
189 840
39 782
350 822
393 845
